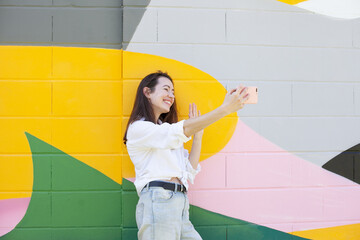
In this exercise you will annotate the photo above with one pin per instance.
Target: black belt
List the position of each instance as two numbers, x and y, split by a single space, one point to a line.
167 185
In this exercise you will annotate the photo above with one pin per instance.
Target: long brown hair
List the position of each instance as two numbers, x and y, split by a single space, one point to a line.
142 107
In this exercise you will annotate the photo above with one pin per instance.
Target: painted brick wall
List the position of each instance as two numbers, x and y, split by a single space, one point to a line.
61 22
305 65
306 68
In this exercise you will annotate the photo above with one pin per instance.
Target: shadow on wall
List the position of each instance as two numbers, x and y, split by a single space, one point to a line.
69 23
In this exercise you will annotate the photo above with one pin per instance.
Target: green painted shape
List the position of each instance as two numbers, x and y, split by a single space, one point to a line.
79 195
87 209
107 233
212 232
130 200
236 228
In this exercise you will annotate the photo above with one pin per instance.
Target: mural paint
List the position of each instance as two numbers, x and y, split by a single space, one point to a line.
83 197
281 169
348 9
267 190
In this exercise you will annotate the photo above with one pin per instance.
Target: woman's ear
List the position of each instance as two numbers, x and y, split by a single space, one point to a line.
146 92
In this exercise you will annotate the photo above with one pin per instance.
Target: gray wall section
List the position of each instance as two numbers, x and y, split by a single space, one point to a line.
79 23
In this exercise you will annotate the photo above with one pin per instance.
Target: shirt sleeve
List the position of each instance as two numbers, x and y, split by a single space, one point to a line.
191 172
149 135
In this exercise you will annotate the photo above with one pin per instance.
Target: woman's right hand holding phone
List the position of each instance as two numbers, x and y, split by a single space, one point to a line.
235 99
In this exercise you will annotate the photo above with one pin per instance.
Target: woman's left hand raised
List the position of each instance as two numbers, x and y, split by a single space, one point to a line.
194 113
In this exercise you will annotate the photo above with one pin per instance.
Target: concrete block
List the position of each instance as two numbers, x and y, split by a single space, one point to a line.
311 134
339 203
317 158
229 4
319 99
276 63
109 233
15 129
89 3
129 201
258 170
254 232
284 28
38 106
263 206
254 63
85 141
25 3
74 98
129 233
356 32
41 208
274 99
86 209
191 25
357 99
25 24
212 232
32 233
215 167
77 25
140 25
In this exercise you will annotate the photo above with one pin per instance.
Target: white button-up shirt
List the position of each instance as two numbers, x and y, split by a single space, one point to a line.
157 152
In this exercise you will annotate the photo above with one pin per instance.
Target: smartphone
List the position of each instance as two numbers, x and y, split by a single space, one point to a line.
253 95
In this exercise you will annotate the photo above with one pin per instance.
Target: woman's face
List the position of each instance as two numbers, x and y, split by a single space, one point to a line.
162 98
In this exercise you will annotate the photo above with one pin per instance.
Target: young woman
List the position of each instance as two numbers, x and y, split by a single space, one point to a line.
154 139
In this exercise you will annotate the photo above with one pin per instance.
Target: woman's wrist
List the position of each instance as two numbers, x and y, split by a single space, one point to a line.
198 136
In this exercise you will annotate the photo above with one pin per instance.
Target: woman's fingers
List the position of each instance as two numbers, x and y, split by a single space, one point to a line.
193 112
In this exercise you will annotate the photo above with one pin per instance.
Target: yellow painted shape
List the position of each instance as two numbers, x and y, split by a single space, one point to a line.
138 65
25 62
87 135
80 106
128 168
13 130
346 232
16 173
87 98
292 2
86 63
35 98
10 195
109 164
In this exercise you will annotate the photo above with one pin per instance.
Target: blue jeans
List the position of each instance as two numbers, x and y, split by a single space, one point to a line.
164 215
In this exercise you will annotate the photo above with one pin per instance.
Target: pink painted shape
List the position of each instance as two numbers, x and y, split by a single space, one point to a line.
214 167
11 213
271 187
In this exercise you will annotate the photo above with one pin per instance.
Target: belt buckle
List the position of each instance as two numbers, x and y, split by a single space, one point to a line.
175 187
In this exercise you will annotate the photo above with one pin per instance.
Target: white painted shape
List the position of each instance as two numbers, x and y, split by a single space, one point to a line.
274 99
348 9
146 29
357 99
319 134
318 158
263 5
287 29
323 99
191 25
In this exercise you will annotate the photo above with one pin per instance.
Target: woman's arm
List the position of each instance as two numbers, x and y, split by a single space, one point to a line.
196 145
234 101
